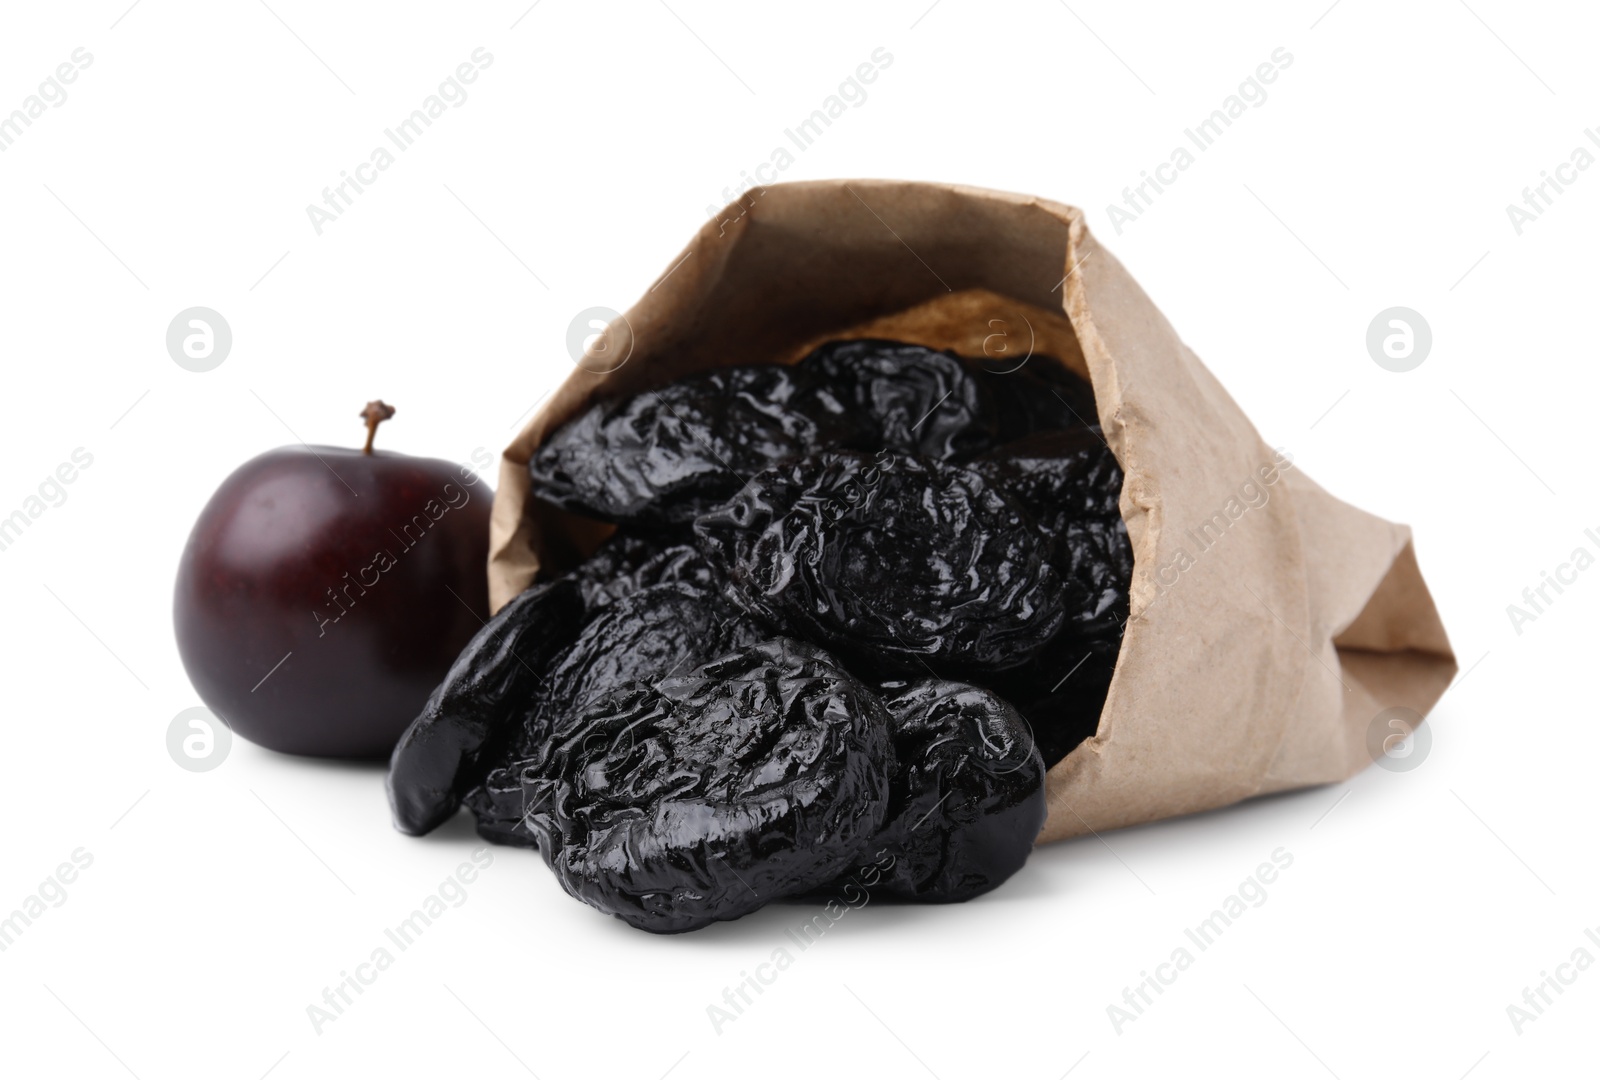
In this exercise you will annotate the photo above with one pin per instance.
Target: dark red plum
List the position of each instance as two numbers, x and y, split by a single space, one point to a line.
324 592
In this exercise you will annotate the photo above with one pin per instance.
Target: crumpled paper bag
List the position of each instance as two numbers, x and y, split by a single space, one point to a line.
1270 623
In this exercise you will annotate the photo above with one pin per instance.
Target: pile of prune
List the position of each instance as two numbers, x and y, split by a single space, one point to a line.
853 610
668 454
897 561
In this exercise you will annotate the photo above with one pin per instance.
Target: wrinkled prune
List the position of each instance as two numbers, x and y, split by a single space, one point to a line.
438 758
498 804
1062 691
644 637
629 561
664 723
668 454
617 558
1070 482
760 775
1095 564
1057 476
917 400
656 632
967 797
1036 395
899 561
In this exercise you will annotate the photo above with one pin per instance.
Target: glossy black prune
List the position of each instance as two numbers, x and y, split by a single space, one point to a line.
668 454
1036 395
916 400
644 637
1057 476
678 764
1070 483
499 672
902 562
1062 691
967 798
498 804
629 561
618 557
1094 560
762 774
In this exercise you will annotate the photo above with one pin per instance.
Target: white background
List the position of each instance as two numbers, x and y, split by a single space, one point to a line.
219 905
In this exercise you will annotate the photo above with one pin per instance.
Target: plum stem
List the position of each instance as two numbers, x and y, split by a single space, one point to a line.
375 413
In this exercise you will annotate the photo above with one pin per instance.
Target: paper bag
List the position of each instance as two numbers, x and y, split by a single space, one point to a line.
1270 624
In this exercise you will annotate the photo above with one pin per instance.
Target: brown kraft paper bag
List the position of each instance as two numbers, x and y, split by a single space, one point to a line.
1270 623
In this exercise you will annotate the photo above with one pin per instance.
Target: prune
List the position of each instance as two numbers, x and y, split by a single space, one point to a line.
629 561
645 637
902 562
1070 482
1057 476
967 796
1039 395
654 723
1062 691
438 757
668 454
1095 563
498 804
659 631
617 558
762 774
917 400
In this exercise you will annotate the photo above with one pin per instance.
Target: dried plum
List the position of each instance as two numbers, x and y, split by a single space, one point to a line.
630 561
498 673
665 724
1095 563
917 400
762 774
1038 395
616 560
1070 482
656 632
498 803
1062 691
644 637
1057 476
899 561
967 797
668 454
